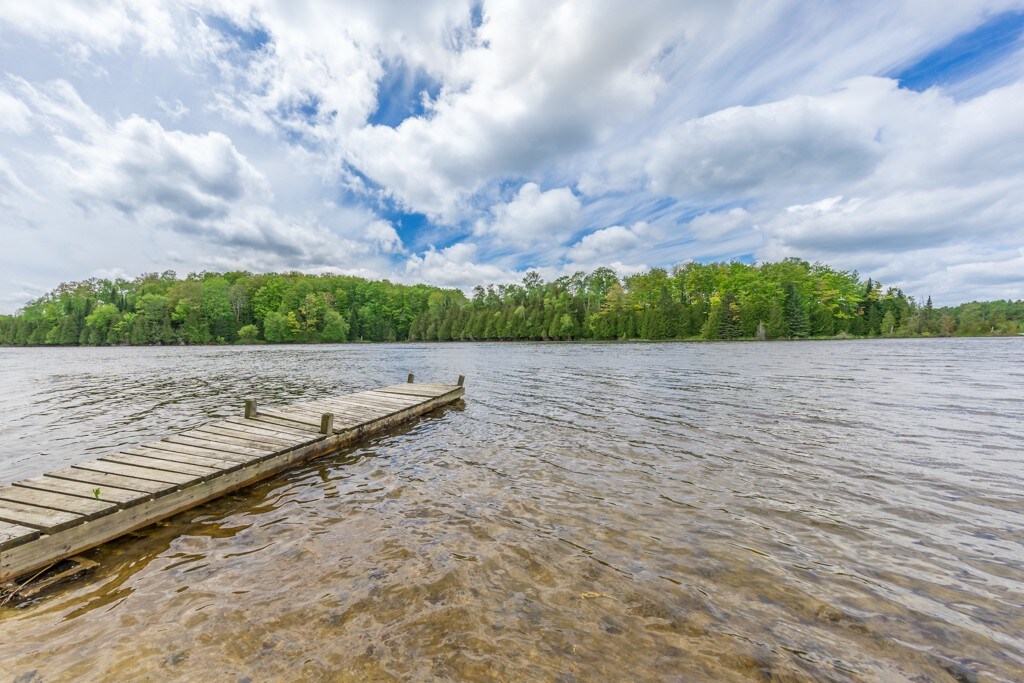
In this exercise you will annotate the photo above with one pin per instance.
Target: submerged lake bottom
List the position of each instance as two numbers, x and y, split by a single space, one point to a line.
835 510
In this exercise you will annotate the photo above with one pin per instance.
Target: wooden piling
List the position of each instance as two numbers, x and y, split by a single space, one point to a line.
327 423
250 408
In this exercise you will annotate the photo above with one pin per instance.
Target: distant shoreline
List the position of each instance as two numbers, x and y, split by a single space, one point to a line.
579 342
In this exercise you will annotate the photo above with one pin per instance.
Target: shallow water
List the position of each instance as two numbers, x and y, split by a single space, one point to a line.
847 510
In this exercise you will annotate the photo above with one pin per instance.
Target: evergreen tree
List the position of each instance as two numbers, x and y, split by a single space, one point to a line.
795 311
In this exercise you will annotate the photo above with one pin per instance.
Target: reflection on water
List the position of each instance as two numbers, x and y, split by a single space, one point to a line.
789 511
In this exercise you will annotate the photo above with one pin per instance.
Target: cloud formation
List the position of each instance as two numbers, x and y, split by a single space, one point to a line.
460 142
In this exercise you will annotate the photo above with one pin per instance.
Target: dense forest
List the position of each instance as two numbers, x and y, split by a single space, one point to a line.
785 300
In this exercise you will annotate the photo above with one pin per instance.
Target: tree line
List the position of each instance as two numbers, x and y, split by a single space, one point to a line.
784 300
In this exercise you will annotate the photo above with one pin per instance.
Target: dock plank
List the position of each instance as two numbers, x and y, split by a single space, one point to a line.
102 479
356 407
285 432
120 496
254 444
86 507
218 446
203 461
299 417
291 424
170 447
342 413
405 399
46 520
138 472
15 534
248 435
409 390
163 465
57 515
385 397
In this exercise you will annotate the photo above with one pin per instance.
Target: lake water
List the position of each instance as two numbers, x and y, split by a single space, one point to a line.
845 510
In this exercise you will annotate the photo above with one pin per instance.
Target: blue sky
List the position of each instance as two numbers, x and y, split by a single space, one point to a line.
459 143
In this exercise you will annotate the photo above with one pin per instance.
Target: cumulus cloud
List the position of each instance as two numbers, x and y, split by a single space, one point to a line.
662 131
534 218
94 25
454 266
611 243
798 144
198 185
383 237
136 165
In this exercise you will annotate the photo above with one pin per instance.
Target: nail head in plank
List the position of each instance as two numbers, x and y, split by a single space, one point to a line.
16 534
44 519
123 497
102 479
88 508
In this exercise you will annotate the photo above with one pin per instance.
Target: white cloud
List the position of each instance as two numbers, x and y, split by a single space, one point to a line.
454 266
516 105
798 144
15 116
611 243
534 218
174 111
197 185
87 26
11 185
724 127
383 236
136 166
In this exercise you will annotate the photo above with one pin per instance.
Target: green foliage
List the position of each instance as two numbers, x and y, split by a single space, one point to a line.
247 334
783 300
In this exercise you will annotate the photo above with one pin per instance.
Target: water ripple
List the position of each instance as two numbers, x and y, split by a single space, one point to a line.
813 511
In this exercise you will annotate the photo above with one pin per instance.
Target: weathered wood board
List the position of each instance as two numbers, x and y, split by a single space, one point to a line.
49 518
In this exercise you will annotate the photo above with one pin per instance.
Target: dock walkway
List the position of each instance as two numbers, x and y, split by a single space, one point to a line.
58 515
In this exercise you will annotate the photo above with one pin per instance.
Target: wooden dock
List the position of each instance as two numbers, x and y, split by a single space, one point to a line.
49 518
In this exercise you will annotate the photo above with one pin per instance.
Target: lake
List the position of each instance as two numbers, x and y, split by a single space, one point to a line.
836 510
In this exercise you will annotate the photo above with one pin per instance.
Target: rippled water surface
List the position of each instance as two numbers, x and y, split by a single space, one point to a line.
751 511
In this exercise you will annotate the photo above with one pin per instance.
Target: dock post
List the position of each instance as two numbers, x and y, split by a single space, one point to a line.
327 423
462 380
409 381
250 408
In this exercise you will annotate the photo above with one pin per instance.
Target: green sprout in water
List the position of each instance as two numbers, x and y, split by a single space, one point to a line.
96 492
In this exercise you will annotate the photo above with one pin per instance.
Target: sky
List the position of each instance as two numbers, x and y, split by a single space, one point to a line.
461 142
